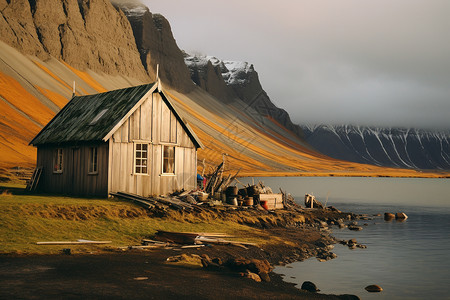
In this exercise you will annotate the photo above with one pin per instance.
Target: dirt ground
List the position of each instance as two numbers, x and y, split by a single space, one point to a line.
143 275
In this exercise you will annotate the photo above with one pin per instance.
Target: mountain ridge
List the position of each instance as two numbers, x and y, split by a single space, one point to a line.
393 147
39 62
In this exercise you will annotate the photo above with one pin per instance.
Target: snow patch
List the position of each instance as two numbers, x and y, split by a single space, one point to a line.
233 72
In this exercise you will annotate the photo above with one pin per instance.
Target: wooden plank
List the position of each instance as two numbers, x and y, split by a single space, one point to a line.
125 128
173 128
146 120
179 167
79 242
165 123
157 100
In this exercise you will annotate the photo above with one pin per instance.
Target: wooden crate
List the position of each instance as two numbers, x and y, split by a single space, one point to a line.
274 201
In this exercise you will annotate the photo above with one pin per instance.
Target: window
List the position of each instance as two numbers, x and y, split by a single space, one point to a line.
169 160
141 158
58 160
93 161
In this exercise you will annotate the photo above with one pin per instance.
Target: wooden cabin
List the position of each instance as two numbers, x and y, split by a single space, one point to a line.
130 140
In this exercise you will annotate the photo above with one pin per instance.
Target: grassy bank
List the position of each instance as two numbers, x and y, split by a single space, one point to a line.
26 219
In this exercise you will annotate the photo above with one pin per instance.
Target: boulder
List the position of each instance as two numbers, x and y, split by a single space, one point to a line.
252 276
257 266
355 228
264 276
187 260
310 287
389 216
401 216
373 288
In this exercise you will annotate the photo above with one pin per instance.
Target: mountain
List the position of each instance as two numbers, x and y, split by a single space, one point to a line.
392 147
227 80
48 45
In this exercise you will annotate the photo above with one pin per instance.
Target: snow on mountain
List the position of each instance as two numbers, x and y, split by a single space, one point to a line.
233 72
393 147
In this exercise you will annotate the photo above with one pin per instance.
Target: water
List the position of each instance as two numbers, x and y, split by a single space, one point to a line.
409 260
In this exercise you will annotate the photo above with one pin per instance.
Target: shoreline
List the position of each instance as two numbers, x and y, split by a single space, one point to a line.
292 241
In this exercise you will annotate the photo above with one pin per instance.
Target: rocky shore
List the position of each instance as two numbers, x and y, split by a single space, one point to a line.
212 271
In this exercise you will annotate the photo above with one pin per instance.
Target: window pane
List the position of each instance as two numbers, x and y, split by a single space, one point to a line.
144 147
138 146
169 159
144 154
144 170
138 170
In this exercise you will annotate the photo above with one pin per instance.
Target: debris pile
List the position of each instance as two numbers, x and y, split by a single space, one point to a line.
184 240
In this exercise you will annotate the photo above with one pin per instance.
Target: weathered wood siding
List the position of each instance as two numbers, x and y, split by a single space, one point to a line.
74 178
155 124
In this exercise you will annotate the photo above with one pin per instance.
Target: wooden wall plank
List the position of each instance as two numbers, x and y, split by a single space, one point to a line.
146 120
165 123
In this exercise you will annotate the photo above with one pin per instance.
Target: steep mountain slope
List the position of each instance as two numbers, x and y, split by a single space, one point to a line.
156 45
228 79
393 147
46 45
74 32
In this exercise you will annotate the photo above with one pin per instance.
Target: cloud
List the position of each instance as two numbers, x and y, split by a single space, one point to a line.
349 61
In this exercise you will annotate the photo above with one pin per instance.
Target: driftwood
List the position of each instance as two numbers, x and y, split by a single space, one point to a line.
207 240
78 242
213 179
161 203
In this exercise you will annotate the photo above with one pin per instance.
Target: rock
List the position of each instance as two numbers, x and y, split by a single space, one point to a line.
389 216
325 255
348 297
257 266
355 228
74 32
252 276
321 244
342 225
401 216
373 288
189 260
264 276
310 287
332 208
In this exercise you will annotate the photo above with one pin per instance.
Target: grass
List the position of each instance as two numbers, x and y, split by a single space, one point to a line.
26 219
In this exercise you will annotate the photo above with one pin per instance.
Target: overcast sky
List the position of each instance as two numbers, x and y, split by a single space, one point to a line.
369 62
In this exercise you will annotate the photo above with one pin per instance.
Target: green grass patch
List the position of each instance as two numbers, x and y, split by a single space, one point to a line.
26 219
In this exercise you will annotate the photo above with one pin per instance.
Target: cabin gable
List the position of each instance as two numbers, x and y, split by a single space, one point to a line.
170 155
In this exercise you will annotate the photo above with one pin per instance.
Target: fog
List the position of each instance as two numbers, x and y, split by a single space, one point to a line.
383 63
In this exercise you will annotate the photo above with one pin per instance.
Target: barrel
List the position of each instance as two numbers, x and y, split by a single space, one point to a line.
231 191
252 190
232 201
248 201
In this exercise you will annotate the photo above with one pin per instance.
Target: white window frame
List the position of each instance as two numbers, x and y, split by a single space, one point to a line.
93 161
163 173
58 159
140 157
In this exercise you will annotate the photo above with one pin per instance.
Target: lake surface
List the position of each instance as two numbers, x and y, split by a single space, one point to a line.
409 260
